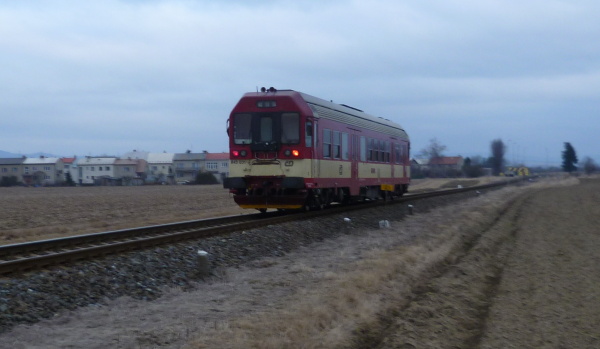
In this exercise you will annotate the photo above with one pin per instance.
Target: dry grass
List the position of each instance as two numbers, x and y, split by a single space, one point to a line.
429 184
327 315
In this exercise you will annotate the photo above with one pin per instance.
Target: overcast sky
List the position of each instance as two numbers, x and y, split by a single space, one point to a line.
107 77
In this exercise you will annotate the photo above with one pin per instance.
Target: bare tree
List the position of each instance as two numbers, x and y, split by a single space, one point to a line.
497 159
589 165
434 150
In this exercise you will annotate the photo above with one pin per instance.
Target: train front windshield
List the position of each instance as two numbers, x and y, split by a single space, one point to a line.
266 129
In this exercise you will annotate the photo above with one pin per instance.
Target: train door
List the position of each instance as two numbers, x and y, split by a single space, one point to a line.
316 162
406 161
389 157
354 157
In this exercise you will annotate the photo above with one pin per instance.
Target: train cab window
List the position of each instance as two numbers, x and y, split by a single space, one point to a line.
242 129
336 145
266 128
308 134
290 128
326 143
345 154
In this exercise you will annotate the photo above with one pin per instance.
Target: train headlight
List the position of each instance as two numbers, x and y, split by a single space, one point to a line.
243 153
235 153
289 153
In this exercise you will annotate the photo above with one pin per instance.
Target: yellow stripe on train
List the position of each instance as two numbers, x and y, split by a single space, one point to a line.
387 187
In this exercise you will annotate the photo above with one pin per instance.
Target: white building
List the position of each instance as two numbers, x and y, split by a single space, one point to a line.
160 168
43 171
92 167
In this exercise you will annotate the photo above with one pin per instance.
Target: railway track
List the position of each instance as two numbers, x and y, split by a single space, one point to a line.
41 254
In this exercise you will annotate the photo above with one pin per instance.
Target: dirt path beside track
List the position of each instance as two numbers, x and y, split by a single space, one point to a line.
532 280
549 296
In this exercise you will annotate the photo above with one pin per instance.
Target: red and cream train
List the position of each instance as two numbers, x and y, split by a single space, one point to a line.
290 150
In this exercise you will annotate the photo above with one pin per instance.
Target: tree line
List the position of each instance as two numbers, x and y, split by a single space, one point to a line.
475 166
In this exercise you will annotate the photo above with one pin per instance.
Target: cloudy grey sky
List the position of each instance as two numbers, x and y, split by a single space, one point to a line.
107 77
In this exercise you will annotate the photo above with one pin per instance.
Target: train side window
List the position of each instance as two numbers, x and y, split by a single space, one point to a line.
326 143
336 145
387 151
403 154
242 129
345 154
290 128
363 148
308 134
374 150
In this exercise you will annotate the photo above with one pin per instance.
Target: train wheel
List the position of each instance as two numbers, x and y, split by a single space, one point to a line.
314 204
343 197
320 204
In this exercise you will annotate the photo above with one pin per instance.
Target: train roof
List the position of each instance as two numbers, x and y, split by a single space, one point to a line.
339 112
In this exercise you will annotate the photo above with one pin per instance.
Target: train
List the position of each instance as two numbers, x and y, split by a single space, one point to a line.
290 150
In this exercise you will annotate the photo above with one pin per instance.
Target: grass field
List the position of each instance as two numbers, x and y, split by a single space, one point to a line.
42 213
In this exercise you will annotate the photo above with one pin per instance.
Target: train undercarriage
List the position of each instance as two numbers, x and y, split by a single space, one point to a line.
269 193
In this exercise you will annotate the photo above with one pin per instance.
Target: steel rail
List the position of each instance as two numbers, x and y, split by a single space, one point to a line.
96 238
44 253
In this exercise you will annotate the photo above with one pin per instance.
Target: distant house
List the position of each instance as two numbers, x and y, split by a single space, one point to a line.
69 165
43 171
11 170
444 166
419 168
111 170
92 168
187 166
129 171
160 168
422 163
218 163
448 162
